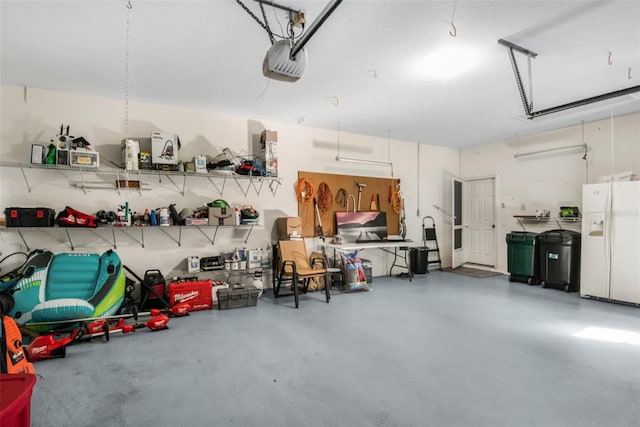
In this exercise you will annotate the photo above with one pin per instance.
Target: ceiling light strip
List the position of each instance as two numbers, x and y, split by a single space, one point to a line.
363 161
550 150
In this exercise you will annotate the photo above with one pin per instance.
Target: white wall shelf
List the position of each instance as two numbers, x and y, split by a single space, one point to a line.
134 233
533 219
218 179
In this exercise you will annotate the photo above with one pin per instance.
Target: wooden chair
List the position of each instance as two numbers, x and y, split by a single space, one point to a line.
294 267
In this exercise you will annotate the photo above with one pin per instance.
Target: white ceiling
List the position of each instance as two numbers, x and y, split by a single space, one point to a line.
208 55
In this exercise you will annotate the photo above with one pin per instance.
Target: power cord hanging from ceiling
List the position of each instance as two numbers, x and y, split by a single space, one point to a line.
338 138
275 15
585 156
264 16
418 179
126 72
291 24
453 14
389 150
264 91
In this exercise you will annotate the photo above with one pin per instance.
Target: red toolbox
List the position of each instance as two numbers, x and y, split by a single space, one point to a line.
198 293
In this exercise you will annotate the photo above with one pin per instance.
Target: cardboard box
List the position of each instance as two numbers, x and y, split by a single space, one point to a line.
198 293
221 216
84 158
268 135
289 225
164 148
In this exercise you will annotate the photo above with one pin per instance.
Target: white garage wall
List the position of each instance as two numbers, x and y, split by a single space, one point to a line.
545 181
34 116
554 179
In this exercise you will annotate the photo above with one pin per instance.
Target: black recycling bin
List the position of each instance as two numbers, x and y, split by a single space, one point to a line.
418 260
522 257
559 259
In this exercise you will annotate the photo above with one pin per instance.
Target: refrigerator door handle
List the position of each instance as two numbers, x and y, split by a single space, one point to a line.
608 237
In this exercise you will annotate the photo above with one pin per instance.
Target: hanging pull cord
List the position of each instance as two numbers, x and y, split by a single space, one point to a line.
453 14
454 32
126 73
129 5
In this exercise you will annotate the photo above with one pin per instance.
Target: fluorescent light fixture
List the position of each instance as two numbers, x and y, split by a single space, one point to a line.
448 62
363 161
550 150
610 335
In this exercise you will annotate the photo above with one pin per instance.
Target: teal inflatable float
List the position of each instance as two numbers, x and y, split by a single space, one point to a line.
62 287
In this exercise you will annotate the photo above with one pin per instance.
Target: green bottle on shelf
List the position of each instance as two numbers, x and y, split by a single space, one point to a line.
51 155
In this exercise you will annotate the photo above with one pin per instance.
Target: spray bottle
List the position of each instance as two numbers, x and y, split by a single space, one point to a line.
237 216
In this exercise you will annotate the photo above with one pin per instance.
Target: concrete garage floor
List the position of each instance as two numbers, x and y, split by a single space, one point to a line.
443 350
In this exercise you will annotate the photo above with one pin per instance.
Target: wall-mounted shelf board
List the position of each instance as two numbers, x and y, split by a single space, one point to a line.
533 219
218 179
134 233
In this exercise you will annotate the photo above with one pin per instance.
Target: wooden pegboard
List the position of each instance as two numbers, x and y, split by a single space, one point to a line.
374 187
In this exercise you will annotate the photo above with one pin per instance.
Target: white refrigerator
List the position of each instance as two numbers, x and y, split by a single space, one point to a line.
610 257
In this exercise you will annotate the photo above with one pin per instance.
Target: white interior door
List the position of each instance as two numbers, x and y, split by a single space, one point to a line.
457 252
479 239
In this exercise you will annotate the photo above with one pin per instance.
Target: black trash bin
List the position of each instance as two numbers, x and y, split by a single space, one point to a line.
559 259
522 257
418 260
